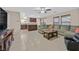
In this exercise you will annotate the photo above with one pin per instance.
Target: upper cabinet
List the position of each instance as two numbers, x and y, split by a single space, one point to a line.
32 19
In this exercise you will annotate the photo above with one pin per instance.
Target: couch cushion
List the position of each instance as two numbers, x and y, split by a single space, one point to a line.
65 32
69 33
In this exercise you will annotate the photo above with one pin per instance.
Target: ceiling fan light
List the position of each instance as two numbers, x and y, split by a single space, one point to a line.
42 11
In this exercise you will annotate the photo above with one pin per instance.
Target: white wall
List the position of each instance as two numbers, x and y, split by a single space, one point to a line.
24 21
74 16
14 23
38 21
49 20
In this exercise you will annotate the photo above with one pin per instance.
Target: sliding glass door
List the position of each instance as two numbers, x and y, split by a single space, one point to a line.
56 22
62 22
66 22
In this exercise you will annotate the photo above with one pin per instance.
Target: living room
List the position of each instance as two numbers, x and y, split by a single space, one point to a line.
41 28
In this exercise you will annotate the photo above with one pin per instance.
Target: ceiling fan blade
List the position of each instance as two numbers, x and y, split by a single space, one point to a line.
48 9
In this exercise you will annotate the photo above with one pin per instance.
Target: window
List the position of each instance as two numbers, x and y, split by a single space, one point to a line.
56 20
62 22
66 21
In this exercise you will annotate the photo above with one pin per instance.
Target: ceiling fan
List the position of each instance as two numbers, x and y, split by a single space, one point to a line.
42 9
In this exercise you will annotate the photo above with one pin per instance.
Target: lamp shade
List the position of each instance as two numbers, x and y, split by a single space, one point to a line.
77 30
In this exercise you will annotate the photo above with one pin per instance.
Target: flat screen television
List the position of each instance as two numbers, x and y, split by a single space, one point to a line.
3 19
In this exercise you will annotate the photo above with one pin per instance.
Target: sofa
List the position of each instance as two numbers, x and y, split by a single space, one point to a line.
41 28
72 42
44 27
65 31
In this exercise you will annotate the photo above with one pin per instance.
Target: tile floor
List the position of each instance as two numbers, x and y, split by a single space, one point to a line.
34 41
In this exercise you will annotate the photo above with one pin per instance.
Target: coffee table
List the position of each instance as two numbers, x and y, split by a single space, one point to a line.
50 34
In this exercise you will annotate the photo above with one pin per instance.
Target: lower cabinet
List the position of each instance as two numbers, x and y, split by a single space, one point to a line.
32 27
23 27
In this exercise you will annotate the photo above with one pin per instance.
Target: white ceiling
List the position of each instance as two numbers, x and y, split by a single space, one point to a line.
29 11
